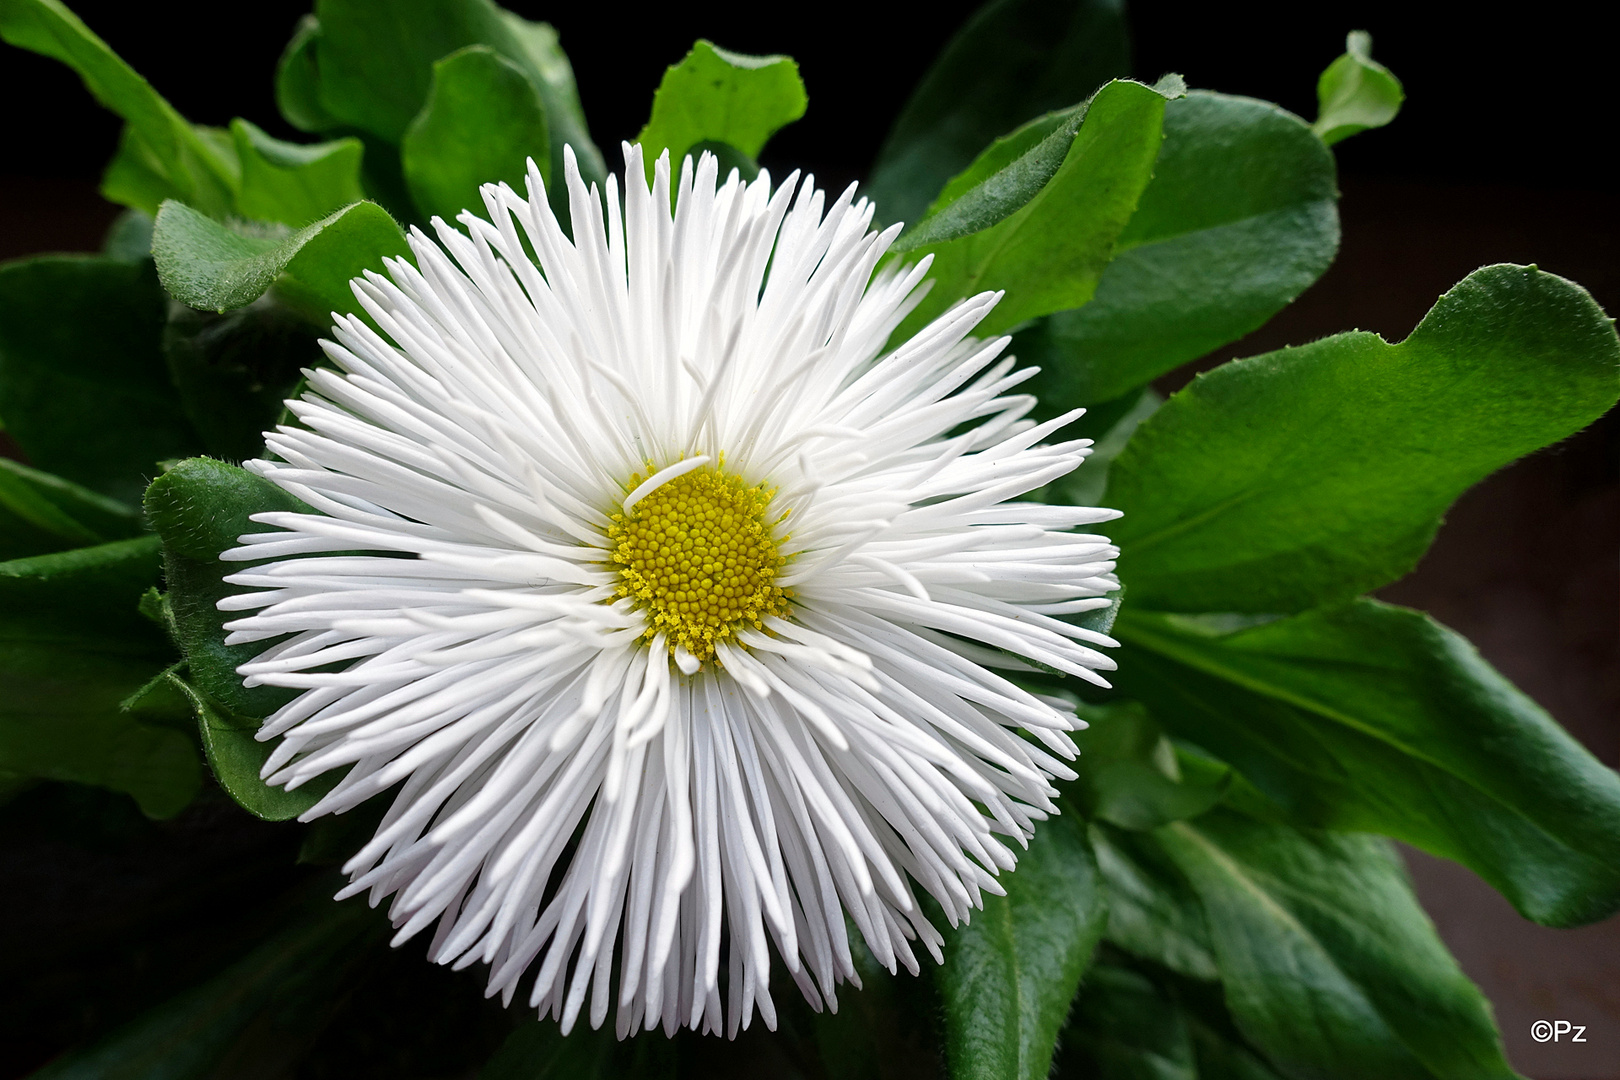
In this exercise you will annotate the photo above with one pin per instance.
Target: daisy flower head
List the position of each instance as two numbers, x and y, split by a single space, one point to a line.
673 603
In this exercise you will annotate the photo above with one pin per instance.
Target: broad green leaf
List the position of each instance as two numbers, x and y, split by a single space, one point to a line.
1010 972
714 95
1050 253
1375 718
237 758
1013 61
1124 1027
72 647
1011 171
190 165
83 386
41 513
256 1018
375 59
1313 474
298 78
482 122
199 508
214 267
1327 961
234 371
1356 92
1152 911
1239 219
293 183
1129 775
536 1050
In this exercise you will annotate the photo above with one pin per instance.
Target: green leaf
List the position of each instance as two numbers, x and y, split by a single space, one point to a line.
188 164
215 268
1375 718
256 1018
714 95
1356 92
1111 424
1011 171
235 370
1129 774
129 238
1013 61
1152 911
72 647
83 386
1239 219
1010 973
1125 1027
293 183
199 508
376 59
482 122
1328 963
298 81
1049 254
1312 474
41 513
536 1050
237 759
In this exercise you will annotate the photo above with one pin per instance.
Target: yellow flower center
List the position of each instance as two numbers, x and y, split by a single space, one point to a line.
698 557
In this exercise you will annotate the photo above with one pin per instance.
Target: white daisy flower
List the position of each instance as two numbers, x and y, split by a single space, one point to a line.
669 602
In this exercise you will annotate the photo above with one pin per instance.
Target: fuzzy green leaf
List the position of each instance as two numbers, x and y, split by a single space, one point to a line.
293 183
1013 61
235 370
213 267
1124 1027
1049 254
1327 961
1356 92
191 166
1239 219
199 508
237 758
376 60
72 647
714 95
1010 972
1313 474
482 122
1375 718
83 385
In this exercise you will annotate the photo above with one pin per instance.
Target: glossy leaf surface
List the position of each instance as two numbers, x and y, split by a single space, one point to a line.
1316 473
1239 219
482 122
715 95
1376 718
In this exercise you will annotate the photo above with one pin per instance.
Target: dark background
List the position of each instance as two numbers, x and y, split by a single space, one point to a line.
1502 154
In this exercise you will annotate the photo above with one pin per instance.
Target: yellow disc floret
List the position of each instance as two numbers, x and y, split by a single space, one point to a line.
697 555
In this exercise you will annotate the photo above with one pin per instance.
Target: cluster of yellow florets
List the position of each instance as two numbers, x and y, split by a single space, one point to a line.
698 557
